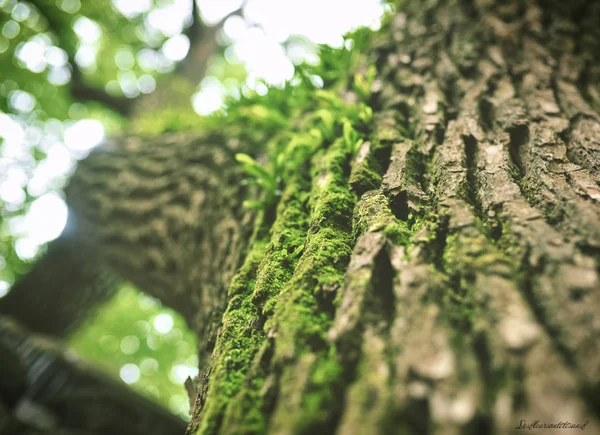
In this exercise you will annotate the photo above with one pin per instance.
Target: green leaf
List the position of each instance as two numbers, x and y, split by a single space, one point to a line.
366 113
329 97
328 122
262 177
350 134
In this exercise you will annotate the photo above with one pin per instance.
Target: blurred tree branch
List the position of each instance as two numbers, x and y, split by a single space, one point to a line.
80 90
43 388
203 44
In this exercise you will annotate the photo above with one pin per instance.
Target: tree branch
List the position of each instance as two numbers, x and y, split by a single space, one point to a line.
80 90
48 390
203 44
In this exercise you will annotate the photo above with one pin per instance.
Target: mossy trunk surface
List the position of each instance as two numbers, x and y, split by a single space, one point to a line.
445 278
441 279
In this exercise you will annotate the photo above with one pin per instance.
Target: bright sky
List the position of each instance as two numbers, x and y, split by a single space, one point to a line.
259 48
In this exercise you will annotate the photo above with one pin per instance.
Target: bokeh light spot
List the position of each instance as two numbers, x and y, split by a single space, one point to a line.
149 366
180 372
70 6
26 248
56 57
146 84
87 30
11 29
4 288
176 48
130 373
46 218
124 59
130 345
154 342
132 8
84 135
59 76
22 101
20 12
163 323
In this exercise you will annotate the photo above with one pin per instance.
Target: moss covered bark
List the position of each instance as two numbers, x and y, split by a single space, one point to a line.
442 276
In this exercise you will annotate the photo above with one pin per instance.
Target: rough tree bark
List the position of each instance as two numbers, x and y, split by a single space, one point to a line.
443 280
448 276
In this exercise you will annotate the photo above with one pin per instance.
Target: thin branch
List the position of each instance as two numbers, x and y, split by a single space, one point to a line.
82 91
203 44
79 89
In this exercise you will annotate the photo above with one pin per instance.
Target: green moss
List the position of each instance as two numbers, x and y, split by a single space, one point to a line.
245 411
301 318
289 282
373 213
236 345
267 269
462 252
236 401
366 173
387 129
327 249
508 243
467 253
325 380
416 166
317 254
287 238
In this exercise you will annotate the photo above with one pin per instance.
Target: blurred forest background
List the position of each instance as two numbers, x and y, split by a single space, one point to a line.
73 72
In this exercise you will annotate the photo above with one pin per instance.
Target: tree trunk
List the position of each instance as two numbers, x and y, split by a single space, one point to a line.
443 280
447 280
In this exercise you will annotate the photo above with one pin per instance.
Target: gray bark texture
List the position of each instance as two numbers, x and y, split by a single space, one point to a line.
496 309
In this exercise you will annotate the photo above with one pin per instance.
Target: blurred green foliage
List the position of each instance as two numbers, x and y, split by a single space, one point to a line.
147 345
295 120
